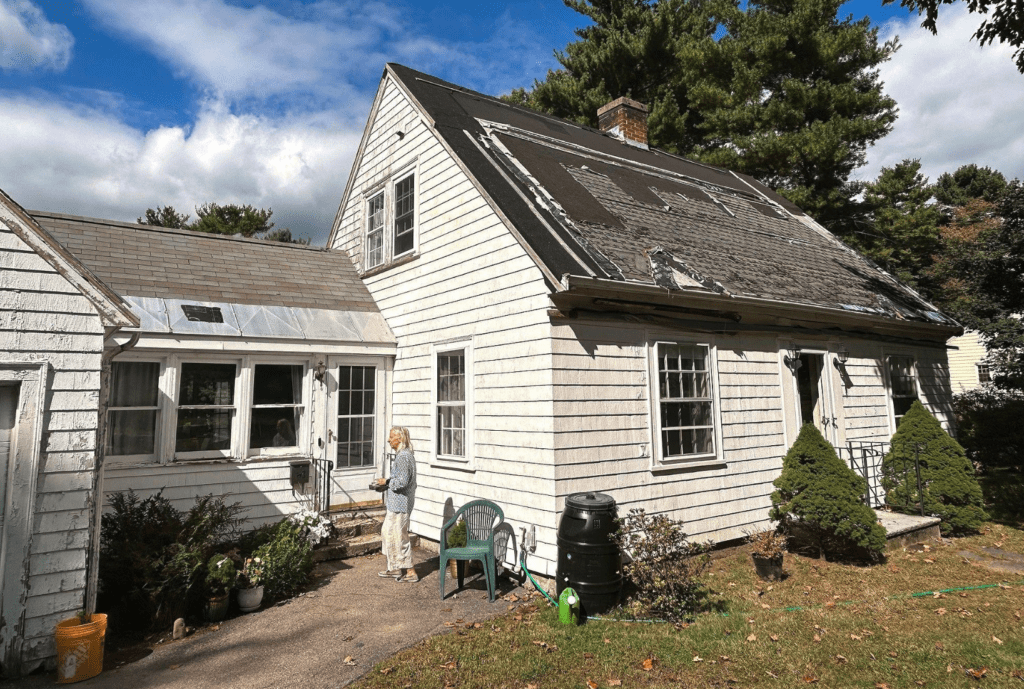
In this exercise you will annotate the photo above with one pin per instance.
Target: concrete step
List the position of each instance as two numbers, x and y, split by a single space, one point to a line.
353 546
350 528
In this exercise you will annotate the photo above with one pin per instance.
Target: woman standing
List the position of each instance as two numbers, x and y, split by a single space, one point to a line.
399 500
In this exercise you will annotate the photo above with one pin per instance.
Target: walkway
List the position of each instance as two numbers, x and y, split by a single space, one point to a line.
304 642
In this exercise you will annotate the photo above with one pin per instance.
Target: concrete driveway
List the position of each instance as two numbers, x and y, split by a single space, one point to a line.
304 642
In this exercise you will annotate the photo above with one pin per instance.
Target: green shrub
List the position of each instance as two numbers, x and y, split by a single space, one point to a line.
287 560
989 427
457 535
949 489
220 575
665 567
820 493
153 556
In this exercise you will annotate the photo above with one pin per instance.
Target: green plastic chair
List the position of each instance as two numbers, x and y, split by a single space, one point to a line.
482 516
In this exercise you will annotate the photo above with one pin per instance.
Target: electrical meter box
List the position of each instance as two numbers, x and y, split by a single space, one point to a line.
299 472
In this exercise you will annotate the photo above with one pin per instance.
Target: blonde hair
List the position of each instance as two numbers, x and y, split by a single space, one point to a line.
405 443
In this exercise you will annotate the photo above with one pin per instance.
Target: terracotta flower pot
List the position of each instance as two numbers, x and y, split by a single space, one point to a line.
768 568
217 608
249 599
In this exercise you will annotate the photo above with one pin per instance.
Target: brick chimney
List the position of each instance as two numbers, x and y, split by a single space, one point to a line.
625 118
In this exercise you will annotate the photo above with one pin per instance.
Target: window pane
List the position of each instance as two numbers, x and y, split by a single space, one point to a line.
404 215
375 231
132 432
207 384
274 427
276 384
203 429
134 384
356 422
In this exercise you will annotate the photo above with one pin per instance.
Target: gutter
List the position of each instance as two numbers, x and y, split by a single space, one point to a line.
92 561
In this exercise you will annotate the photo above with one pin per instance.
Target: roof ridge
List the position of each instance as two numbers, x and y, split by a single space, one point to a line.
171 230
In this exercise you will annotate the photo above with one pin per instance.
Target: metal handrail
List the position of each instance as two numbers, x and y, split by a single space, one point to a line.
322 469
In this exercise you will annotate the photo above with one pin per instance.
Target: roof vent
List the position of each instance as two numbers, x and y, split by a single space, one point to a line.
626 119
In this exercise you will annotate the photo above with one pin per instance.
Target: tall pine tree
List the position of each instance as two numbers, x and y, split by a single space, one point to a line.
782 90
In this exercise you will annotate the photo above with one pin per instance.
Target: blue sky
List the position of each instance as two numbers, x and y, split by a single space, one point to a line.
113 106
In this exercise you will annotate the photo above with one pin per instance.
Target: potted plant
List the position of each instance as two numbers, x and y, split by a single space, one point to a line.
250 584
768 549
456 539
220 577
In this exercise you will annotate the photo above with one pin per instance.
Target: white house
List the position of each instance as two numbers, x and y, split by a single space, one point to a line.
575 311
54 318
969 367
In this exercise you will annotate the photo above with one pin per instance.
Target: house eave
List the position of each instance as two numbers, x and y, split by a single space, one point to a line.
580 289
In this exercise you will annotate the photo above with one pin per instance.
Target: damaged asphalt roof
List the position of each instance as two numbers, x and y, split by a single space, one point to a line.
590 204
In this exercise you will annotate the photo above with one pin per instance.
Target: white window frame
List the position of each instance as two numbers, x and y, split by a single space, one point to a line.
241 426
161 412
986 368
371 230
378 413
658 458
387 189
890 396
467 461
301 429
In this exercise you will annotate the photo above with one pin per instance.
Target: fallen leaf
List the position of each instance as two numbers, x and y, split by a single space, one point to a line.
939 645
920 683
752 637
977 674
173 667
348 660
940 611
615 683
518 618
591 684
774 637
607 641
771 674
841 659
531 686
648 664
450 665
997 640
931 562
476 626
817 639
963 594
810 679
854 637
724 659
386 670
449 624
766 606
698 659
949 669
894 654
882 685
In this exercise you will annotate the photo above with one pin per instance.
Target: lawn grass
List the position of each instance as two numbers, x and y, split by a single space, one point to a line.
827 624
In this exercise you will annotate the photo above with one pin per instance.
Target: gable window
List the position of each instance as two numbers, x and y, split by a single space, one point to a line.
684 402
375 231
276 407
206 409
391 221
356 414
134 408
984 373
903 382
405 226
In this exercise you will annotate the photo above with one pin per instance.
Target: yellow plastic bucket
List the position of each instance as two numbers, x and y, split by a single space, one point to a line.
80 648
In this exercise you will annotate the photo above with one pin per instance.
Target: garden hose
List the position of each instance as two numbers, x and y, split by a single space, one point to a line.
795 608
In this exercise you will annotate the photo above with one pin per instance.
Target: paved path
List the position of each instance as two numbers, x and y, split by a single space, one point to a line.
303 642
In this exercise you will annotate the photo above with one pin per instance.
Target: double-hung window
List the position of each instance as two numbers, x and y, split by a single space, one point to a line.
984 373
451 403
277 408
133 414
684 404
903 383
391 221
206 409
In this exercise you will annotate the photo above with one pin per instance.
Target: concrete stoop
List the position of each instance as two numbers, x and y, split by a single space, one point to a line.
902 530
358 533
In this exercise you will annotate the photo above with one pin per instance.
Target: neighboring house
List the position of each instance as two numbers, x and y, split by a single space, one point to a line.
577 312
240 368
969 367
54 318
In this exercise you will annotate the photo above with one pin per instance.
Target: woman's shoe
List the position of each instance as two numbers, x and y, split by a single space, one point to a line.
390 574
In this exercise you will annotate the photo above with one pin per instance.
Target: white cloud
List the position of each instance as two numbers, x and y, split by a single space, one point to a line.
65 158
959 102
320 53
29 40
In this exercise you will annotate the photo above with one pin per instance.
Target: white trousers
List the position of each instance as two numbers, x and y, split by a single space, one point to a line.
395 540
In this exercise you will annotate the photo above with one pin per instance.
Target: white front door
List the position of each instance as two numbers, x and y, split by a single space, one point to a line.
356 419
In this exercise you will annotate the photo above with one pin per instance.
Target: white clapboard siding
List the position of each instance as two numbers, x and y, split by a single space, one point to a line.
964 360
44 318
471 280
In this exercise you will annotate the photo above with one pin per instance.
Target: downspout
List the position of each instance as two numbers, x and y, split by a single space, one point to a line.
93 554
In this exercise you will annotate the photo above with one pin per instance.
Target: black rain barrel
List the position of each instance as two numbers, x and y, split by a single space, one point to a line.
588 560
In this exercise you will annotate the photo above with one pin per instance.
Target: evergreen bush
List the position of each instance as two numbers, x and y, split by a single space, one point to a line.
824 496
949 489
988 422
